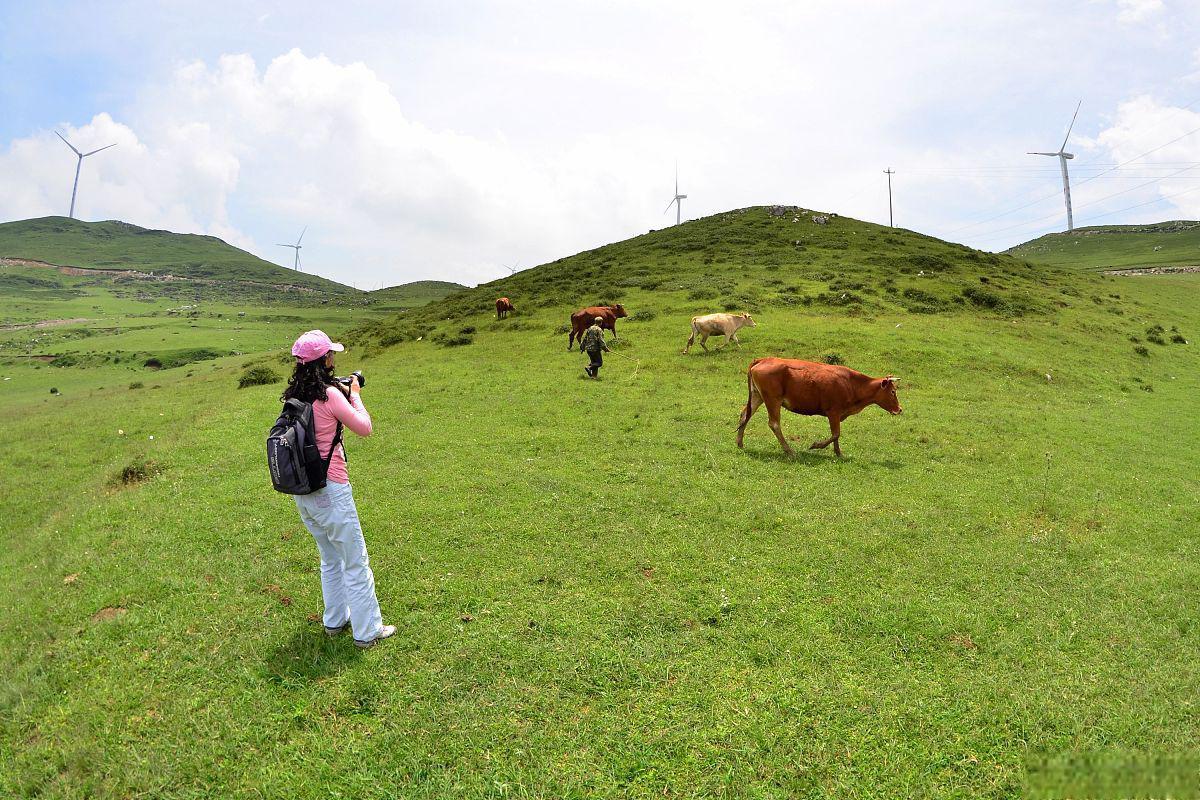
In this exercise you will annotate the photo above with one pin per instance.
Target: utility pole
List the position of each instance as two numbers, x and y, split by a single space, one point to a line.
890 172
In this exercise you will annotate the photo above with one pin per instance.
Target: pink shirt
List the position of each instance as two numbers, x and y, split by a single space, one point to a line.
352 414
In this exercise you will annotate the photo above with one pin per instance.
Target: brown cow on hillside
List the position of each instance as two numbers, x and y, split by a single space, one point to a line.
805 387
582 319
503 306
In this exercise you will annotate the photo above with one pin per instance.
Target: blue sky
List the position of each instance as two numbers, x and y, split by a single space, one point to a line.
435 140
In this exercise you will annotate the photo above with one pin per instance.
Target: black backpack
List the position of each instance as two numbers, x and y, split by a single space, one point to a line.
292 455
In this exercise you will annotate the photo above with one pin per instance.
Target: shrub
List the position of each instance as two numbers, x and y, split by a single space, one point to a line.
258 376
702 294
458 341
1178 339
832 358
468 330
136 385
642 316
983 297
136 472
1141 350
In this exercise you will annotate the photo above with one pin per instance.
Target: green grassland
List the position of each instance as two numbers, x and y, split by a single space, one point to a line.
597 593
412 295
116 245
1175 243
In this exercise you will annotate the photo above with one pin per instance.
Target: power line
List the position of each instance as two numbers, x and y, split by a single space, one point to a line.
1090 203
1088 178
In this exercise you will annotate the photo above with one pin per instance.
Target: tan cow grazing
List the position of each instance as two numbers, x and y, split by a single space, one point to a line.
726 325
805 387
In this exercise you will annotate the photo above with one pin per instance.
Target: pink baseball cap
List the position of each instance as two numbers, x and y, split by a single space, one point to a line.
313 345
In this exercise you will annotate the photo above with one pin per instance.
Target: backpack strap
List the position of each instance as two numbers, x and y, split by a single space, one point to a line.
337 439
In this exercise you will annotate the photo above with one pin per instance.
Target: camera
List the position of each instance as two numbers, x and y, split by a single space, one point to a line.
362 381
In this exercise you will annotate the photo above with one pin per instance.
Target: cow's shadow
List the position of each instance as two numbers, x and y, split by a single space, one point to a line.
816 458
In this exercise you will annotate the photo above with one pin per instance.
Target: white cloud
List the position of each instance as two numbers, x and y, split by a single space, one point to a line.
445 145
1134 11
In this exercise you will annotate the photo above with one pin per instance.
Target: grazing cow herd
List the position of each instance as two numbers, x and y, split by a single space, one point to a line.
802 387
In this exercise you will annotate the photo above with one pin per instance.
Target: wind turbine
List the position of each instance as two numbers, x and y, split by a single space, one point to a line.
516 265
1063 155
78 165
675 200
296 247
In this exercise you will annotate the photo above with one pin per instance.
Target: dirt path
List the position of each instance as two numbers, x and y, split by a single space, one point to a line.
46 323
1151 270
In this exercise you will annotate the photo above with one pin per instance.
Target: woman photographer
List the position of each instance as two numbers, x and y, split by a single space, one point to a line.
347 582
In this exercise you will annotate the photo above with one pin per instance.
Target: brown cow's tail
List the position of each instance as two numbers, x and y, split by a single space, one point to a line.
750 387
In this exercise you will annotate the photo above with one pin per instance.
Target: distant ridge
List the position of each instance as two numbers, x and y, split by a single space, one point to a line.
114 245
1156 244
411 295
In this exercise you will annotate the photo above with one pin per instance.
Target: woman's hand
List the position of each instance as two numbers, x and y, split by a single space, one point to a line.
354 387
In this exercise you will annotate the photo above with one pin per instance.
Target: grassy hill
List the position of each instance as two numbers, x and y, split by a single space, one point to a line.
597 593
119 246
1174 243
411 295
754 259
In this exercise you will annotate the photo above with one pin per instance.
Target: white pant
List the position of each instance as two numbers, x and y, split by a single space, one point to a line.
347 583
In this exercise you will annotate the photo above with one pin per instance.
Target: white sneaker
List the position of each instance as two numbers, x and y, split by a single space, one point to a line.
386 632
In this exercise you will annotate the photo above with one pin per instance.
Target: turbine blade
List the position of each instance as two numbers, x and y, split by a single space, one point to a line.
68 144
1041 154
284 245
302 234
668 208
1072 125
85 155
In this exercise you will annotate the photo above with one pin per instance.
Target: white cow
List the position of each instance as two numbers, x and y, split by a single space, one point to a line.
726 325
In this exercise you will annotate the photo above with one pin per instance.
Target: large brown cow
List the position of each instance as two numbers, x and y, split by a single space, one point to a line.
582 319
503 306
805 387
726 325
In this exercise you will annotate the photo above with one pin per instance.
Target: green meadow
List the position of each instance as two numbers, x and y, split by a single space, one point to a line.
1175 243
597 593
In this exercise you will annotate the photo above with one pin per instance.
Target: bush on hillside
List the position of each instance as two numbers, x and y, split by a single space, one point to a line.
258 376
136 471
643 316
832 358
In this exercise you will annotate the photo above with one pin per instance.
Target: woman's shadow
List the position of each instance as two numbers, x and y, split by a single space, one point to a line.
310 655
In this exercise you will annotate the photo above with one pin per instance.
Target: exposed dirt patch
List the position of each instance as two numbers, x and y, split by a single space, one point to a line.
108 613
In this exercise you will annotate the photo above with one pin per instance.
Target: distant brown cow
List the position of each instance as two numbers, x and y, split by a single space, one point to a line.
503 306
726 325
804 387
582 319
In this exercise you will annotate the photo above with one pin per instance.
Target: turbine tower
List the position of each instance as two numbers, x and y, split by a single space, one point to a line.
1063 155
296 247
675 200
78 165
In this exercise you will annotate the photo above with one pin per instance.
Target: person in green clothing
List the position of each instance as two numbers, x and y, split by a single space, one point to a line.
593 344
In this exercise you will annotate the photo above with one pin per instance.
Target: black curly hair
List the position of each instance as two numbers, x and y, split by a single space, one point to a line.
309 382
